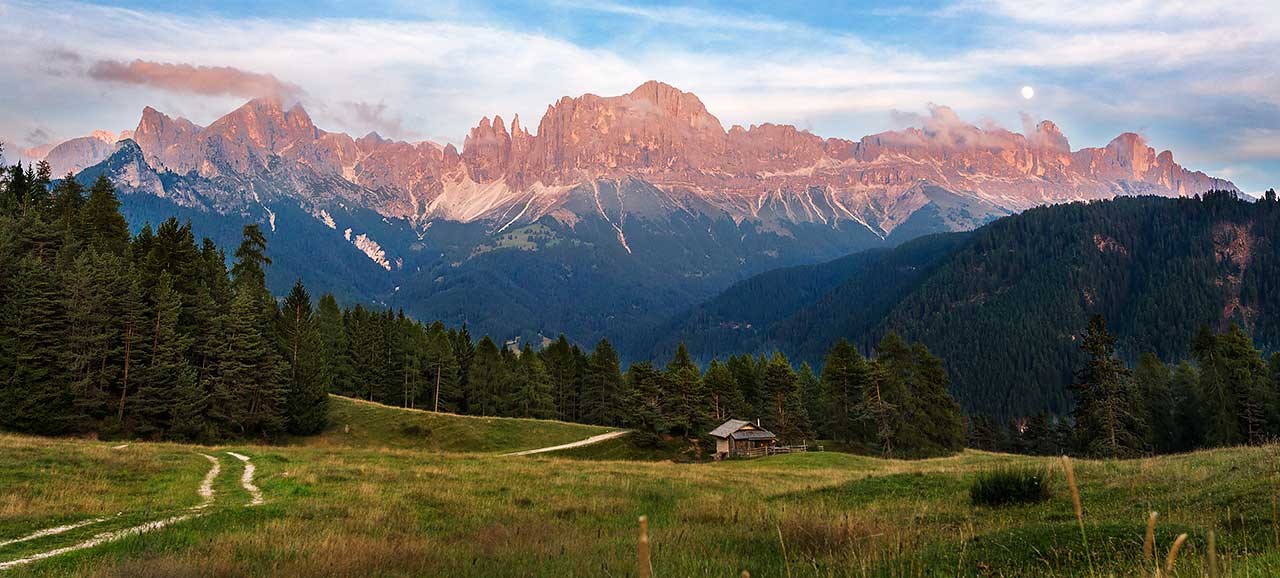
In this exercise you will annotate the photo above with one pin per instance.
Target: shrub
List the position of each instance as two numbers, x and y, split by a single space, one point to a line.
1009 486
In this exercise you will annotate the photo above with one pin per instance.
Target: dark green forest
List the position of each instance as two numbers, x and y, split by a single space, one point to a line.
154 336
1006 305
158 336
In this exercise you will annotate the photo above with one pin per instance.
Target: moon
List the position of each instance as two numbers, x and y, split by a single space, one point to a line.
1028 92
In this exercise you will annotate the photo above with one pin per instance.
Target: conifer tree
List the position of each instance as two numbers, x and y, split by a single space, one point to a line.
1109 409
602 386
335 353
440 365
1154 380
531 394
169 402
786 414
247 397
1188 409
308 380
644 395
489 379
33 397
101 224
846 377
565 372
725 395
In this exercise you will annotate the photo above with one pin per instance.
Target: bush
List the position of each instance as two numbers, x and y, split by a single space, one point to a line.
1009 486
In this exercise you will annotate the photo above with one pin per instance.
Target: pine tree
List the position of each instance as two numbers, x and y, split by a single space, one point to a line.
645 404
464 351
68 200
248 397
786 414
1189 431
566 376
726 397
531 394
335 352
933 411
169 402
308 381
33 397
441 366
1154 380
489 379
101 224
602 386
846 378
1109 409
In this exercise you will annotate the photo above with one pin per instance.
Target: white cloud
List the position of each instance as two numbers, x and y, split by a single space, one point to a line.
1098 67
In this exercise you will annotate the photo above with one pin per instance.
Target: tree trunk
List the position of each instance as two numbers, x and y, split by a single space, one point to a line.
124 387
437 401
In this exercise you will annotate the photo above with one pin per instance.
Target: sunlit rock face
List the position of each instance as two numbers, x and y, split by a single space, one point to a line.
658 135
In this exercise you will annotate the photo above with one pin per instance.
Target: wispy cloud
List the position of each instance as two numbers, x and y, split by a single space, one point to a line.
207 80
1190 75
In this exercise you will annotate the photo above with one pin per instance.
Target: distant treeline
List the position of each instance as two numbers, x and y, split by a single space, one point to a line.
1229 396
152 336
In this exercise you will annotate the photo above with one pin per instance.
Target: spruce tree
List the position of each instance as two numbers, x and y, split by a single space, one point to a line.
1154 380
846 376
335 353
602 386
168 397
101 224
531 394
1189 420
1109 413
644 399
725 396
440 366
33 396
248 396
489 379
786 414
308 380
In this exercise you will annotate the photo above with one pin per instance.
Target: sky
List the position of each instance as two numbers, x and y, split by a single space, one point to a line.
1195 77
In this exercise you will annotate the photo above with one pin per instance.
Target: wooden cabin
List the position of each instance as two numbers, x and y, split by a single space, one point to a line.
738 438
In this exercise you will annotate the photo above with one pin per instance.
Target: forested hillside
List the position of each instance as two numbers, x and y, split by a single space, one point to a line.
1006 305
152 336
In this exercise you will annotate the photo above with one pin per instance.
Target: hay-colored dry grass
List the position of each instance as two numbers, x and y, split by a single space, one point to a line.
352 511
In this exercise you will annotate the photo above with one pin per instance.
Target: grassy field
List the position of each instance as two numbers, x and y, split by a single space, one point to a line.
338 509
357 423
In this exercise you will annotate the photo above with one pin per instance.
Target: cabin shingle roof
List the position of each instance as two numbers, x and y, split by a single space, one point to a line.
728 428
734 428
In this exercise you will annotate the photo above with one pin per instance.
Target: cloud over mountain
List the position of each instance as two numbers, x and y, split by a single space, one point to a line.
206 80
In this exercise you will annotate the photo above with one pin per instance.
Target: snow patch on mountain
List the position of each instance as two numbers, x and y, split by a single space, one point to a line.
372 249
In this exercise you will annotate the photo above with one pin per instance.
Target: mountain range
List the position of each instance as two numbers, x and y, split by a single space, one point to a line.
618 211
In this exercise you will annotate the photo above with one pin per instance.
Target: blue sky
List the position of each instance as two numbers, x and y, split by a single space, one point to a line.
1194 77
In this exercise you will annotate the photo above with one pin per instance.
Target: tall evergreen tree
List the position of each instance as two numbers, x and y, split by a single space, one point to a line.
489 379
531 394
308 381
101 224
248 396
1109 409
169 401
33 397
726 397
786 414
602 386
1154 380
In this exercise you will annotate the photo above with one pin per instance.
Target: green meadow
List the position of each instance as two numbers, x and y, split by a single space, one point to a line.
389 492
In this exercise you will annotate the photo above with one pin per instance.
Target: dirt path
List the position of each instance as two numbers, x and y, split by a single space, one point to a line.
206 499
246 480
577 444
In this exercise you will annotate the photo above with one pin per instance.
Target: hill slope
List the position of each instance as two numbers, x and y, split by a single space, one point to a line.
363 424
1004 306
